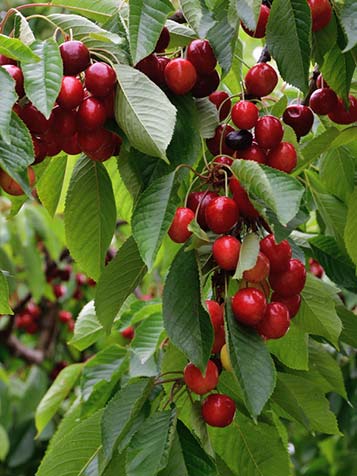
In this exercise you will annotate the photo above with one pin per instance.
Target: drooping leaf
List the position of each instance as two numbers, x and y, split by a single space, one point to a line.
248 254
23 30
351 227
8 98
87 329
292 349
100 10
337 70
15 49
4 295
347 16
49 187
248 10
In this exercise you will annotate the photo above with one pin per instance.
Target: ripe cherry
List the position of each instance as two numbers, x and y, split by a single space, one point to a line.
259 32
241 198
100 79
283 157
162 62
5 60
323 101
217 144
70 145
200 200
91 141
71 94
219 340
260 271
218 410
292 303
65 316
59 290
315 268
63 122
249 306
150 67
53 142
163 41
343 116
321 12
268 132
276 321
75 57
16 73
226 251
180 76
199 383
108 103
33 309
223 160
279 255
221 214
205 85
128 333
320 82
178 230
10 186
239 140
222 102
91 114
254 152
34 119
289 282
109 148
215 312
300 118
201 55
245 114
261 80
40 150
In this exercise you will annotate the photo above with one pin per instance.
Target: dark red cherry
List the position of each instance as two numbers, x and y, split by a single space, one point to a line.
300 118
34 119
215 312
71 94
239 140
163 41
91 114
100 79
219 340
150 67
162 63
108 103
5 60
261 80
279 255
180 76
241 198
323 101
343 116
245 114
59 290
289 282
292 302
201 383
205 85
128 333
16 73
178 230
223 160
283 157
259 32
201 55
91 141
65 316
226 252
217 144
53 142
200 200
315 268
218 410
321 83
63 122
70 145
40 150
222 102
268 132
276 321
321 12
254 152
221 214
108 149
75 57
249 306
260 271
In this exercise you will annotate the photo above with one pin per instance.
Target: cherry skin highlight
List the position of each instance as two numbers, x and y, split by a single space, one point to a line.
321 12
268 132
16 73
91 114
222 102
178 230
300 118
71 94
323 101
100 79
226 251
343 116
199 383
221 214
217 145
200 200
205 85
249 306
75 57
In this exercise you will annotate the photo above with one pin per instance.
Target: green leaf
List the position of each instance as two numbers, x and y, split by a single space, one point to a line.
347 17
270 188
349 323
4 296
192 11
120 413
208 117
323 40
248 10
288 36
153 215
148 457
15 49
252 364
317 313
351 227
49 187
23 30
337 170
90 215
146 21
147 337
148 128
7 100
87 329
100 10
180 35
337 70
42 79
279 107
4 443
292 349
186 322
56 394
117 281
248 254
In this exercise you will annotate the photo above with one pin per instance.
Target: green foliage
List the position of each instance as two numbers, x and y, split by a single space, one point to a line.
7 100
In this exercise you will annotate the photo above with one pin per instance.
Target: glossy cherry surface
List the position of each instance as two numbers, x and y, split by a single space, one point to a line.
91 114
245 114
215 312
222 102
341 115
218 410
292 303
283 157
201 55
226 251
221 214
16 73
321 12
178 230
241 198
323 101
201 383
261 80
163 41
71 94
217 144
75 57
200 200
254 152
268 132
276 321
100 79
239 140
180 76
300 118
205 85
290 282
259 32
249 306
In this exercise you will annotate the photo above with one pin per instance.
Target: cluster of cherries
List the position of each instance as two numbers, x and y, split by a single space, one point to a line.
76 124
28 318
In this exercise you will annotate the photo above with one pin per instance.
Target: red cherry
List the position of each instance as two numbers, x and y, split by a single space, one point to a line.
71 325
59 290
16 73
81 279
279 255
108 103
300 118
91 114
75 57
40 150
254 152
223 160
321 12
70 145
292 302
10 186
276 321
261 24
226 252
163 41
260 271
162 62
199 383
65 316
63 122
201 200
5 60
321 83
107 149
180 76
33 309
71 94
245 114
268 132
343 116
219 340
205 85
241 198
100 79
291 281
323 101
218 410
201 55
221 214
150 66
215 312
249 306
283 157
261 80
53 142
315 268
34 119
91 141
219 98
178 230
217 145
128 333
65 273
